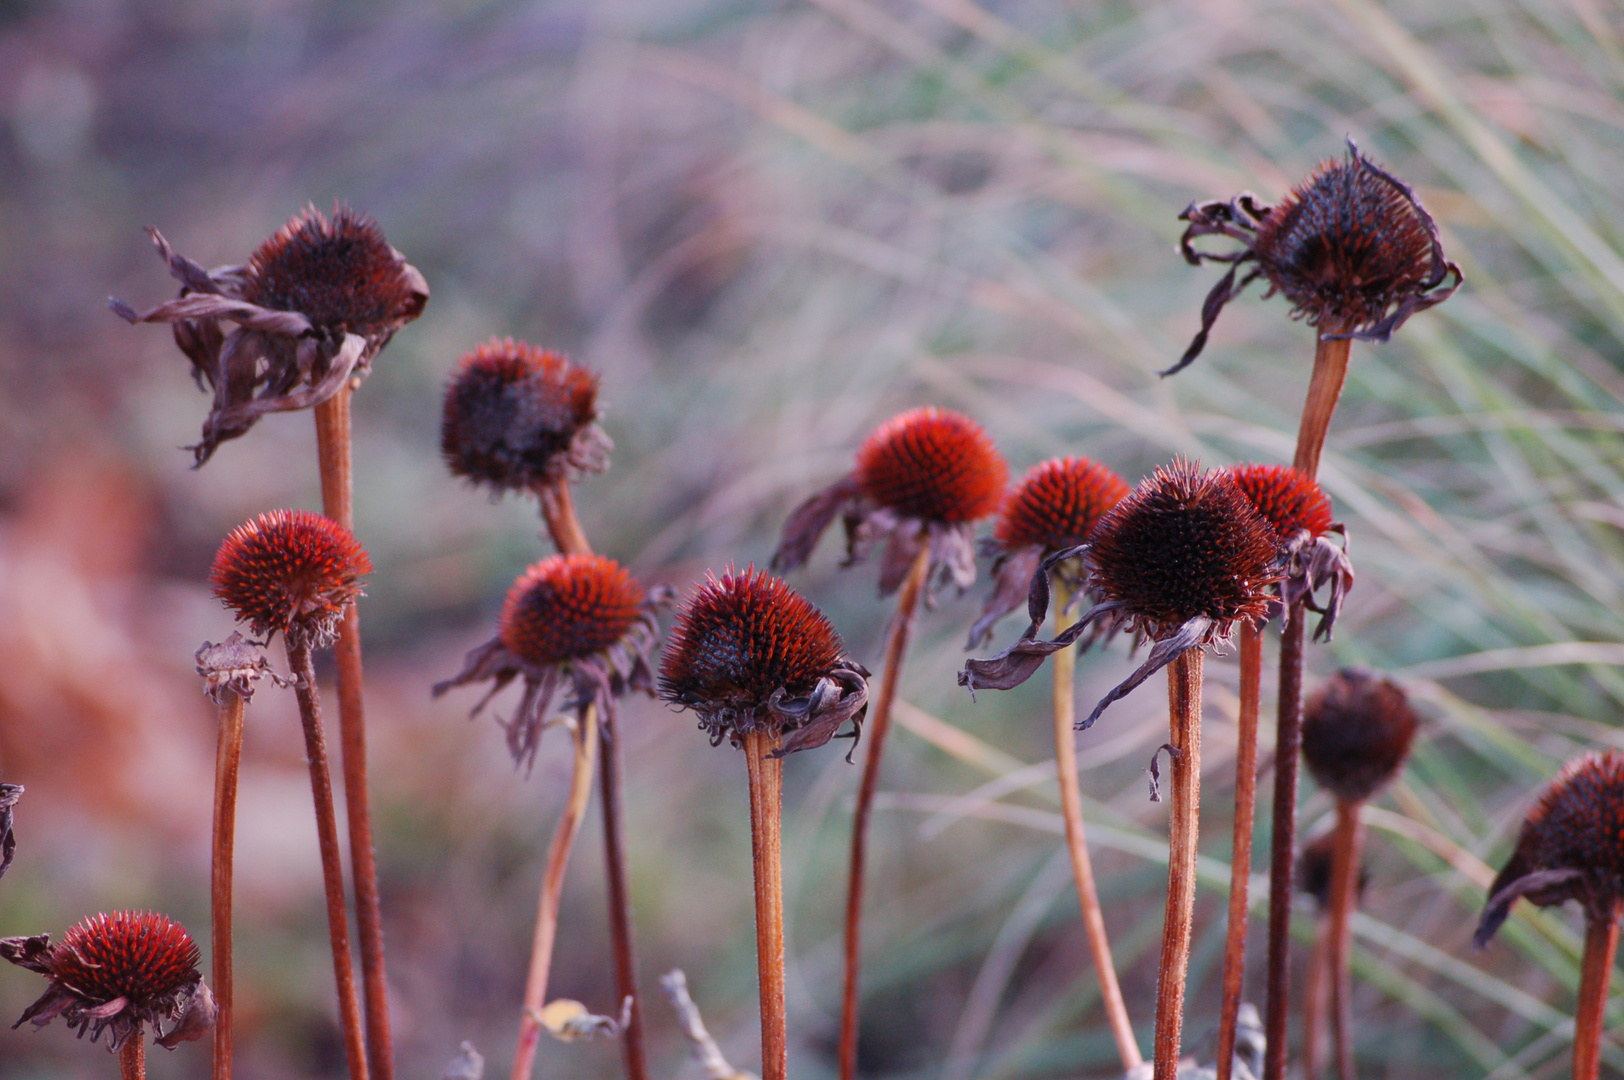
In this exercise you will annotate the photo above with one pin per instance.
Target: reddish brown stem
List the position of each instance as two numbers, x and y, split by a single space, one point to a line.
620 908
1288 745
1240 861
338 503
1324 388
766 817
1082 868
1184 725
558 511
332 865
879 722
1345 844
132 1057
1596 975
552 888
227 763
1314 1001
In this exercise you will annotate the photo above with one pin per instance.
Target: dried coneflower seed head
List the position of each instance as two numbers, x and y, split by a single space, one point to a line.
569 606
1288 500
339 272
1057 504
1314 871
934 465
514 413
1357 731
290 570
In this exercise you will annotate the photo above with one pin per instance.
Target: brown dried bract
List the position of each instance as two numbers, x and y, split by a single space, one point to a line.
9 794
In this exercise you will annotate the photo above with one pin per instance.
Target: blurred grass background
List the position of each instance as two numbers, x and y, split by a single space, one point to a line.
770 226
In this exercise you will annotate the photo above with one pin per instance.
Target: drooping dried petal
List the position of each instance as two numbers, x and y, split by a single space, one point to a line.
290 570
9 794
569 606
1357 730
934 465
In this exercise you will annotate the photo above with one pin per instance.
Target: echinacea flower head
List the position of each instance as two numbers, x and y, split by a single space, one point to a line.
1571 846
290 570
1313 875
517 416
922 479
115 973
1351 247
749 654
1300 513
1357 730
305 315
577 621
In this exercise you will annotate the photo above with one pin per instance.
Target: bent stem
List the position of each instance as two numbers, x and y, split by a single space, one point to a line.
1240 863
227 763
1345 845
338 503
1589 1021
332 867
766 817
1082 868
552 887
558 511
879 722
132 1057
1184 716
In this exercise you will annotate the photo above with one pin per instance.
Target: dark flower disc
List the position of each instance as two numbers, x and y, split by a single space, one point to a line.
1288 500
934 465
1357 731
569 606
338 272
1057 504
289 570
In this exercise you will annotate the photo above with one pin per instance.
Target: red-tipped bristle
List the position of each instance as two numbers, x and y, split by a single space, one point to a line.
740 637
338 272
1058 503
511 411
1357 731
289 569
1287 499
568 606
1578 821
139 955
932 464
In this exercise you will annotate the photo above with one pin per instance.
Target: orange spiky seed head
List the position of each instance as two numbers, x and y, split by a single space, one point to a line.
1288 500
338 272
1057 504
569 606
934 465
1357 730
139 955
290 570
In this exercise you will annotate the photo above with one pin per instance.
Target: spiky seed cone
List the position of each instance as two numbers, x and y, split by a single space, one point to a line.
1357 730
290 570
934 465
512 413
338 272
1288 500
1057 504
139 955
569 606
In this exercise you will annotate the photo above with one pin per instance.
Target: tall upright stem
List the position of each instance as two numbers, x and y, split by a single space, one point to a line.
1184 724
1082 868
552 888
338 503
132 1057
1324 388
1240 861
1344 894
879 722
227 763
1589 1020
558 511
332 865
766 816
1314 1001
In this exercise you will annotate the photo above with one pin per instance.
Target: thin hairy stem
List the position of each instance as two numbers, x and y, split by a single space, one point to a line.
558 511
879 722
1345 844
1324 388
132 1057
1596 975
1240 861
332 865
766 820
1314 1001
1288 746
1184 725
552 887
227 764
338 503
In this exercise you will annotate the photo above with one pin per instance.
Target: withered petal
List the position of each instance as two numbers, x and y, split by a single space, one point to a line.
1222 293
197 1016
952 559
1498 908
907 539
30 952
1012 582
9 794
809 521
1017 663
838 697
1164 652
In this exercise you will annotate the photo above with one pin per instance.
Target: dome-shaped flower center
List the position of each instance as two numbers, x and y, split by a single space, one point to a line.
511 411
287 569
338 273
139 955
1057 504
1357 731
1578 822
569 606
934 465
1288 500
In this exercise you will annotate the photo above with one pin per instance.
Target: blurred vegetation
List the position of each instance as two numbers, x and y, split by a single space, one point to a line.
770 226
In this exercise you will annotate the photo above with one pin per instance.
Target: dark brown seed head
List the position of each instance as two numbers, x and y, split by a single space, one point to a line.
569 606
1182 545
1288 500
1357 730
338 272
1057 504
513 413
290 570
1314 871
934 465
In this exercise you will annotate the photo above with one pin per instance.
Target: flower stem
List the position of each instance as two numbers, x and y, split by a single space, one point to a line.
1082 869
227 761
1589 1020
766 817
552 887
1240 861
1324 388
338 503
879 721
1184 715
1288 745
332 867
132 1057
1314 1002
558 511
1345 845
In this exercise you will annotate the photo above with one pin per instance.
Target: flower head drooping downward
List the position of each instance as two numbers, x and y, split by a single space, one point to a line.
750 654
922 478
1351 247
1300 513
290 570
577 620
307 313
116 972
1357 730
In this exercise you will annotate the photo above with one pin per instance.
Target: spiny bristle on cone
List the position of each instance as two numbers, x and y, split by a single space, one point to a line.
1057 504
1357 731
289 570
338 272
934 465
1288 500
139 955
569 606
